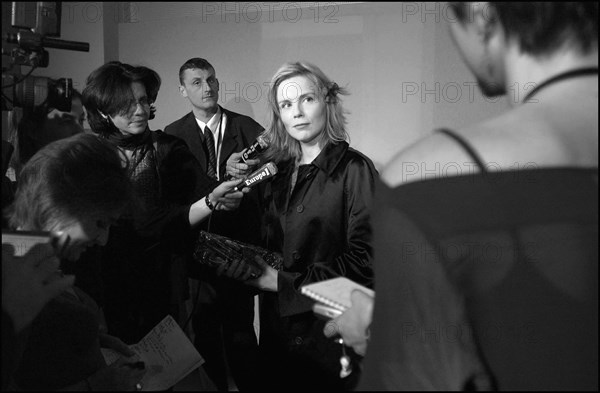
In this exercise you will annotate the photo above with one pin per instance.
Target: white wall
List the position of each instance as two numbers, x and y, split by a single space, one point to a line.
380 51
397 59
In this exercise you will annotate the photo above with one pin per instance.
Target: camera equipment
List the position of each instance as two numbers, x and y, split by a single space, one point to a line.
28 28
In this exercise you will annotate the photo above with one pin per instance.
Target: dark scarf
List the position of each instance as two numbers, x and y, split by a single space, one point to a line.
130 142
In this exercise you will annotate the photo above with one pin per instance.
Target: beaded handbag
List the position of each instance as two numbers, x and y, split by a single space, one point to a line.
215 250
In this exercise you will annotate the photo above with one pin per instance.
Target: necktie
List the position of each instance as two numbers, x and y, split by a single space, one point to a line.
209 141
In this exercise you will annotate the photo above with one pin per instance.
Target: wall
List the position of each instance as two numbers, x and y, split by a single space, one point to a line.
397 59
389 55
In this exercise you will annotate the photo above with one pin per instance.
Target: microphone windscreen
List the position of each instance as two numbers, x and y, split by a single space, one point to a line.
255 149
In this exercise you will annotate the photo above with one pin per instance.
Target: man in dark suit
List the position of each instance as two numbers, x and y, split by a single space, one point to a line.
224 309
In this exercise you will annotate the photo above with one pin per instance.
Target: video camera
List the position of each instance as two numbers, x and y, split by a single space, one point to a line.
32 27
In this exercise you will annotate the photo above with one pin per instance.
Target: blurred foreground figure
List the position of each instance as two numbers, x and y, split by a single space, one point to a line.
487 277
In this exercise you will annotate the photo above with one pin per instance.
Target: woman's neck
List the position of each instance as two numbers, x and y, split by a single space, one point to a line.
309 152
524 72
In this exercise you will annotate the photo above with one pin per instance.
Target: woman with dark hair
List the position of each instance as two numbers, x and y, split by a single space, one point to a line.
144 260
488 277
75 188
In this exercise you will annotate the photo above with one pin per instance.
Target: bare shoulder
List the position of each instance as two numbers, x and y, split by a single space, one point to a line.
522 138
437 155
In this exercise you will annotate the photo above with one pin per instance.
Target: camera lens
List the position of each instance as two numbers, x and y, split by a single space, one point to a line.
35 91
60 93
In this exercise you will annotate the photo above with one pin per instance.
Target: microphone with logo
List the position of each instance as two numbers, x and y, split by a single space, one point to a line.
252 152
259 145
263 173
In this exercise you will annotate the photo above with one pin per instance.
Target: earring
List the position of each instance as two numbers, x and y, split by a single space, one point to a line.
105 117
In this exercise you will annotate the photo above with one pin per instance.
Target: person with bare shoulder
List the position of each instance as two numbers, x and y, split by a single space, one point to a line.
487 276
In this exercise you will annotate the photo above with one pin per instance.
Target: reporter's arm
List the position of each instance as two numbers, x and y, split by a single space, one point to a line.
353 324
223 197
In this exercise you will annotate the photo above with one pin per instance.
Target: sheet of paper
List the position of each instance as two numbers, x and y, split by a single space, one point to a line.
23 241
168 354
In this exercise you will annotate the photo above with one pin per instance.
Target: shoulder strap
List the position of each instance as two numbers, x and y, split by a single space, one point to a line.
468 148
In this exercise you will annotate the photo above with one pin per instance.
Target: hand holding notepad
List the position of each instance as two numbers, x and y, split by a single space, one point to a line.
335 292
168 354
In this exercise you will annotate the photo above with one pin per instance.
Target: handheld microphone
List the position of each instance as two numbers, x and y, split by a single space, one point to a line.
259 145
263 173
253 151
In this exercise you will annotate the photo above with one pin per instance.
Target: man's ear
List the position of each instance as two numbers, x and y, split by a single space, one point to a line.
218 85
182 91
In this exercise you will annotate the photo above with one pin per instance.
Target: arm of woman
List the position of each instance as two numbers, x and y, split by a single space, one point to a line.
353 324
224 197
184 188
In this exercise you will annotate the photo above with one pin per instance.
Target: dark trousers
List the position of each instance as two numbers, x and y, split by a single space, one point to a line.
224 333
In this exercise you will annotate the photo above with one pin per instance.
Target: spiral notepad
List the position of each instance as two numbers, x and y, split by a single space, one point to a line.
334 292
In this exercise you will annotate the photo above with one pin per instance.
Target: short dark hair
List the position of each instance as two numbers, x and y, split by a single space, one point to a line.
541 28
108 90
69 179
194 63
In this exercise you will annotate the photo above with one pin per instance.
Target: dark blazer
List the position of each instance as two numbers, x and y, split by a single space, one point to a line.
244 223
240 132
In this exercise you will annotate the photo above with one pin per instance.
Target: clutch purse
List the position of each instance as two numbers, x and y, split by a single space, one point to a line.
216 250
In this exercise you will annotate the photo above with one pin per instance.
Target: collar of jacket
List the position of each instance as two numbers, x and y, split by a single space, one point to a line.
330 156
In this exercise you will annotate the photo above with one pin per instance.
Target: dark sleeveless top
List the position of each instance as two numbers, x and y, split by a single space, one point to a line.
486 281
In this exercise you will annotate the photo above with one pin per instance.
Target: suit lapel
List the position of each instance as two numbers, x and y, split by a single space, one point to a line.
191 133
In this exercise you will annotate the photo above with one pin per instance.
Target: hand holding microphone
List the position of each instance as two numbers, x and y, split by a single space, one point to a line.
263 173
240 164
227 196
